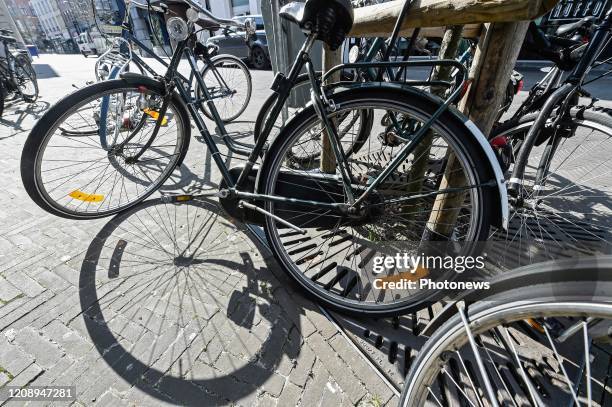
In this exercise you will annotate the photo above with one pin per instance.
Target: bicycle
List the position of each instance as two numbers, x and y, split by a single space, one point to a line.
554 148
539 336
17 76
326 217
227 78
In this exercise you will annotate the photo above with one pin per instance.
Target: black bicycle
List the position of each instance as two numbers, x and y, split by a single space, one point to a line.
227 78
17 76
556 147
330 212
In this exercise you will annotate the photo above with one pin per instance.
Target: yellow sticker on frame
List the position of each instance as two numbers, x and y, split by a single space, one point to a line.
82 196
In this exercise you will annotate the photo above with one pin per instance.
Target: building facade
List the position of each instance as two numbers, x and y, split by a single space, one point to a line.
26 21
56 35
232 8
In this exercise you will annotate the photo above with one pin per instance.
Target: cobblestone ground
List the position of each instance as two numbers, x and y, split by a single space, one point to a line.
163 305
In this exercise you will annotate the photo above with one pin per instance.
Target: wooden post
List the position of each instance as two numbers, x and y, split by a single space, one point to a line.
378 20
448 50
493 64
328 160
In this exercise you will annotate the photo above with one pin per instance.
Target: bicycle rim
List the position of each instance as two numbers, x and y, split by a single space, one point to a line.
229 86
533 353
78 177
335 258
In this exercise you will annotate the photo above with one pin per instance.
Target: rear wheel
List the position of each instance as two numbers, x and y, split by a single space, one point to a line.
25 76
228 82
337 259
67 172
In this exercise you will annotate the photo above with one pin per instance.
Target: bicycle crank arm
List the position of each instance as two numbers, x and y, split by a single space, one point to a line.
243 204
186 197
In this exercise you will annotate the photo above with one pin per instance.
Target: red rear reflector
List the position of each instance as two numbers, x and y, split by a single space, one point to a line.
520 86
499 142
142 89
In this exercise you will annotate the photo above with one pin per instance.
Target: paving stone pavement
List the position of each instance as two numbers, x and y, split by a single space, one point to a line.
162 305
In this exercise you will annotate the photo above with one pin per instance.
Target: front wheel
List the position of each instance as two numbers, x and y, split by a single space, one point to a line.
229 87
68 173
566 190
339 259
542 342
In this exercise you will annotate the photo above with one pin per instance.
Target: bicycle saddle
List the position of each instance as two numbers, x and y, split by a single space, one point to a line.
331 20
571 27
206 19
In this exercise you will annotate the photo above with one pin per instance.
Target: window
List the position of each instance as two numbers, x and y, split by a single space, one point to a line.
240 3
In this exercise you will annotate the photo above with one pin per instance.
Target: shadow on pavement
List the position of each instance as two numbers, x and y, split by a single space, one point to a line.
15 118
44 71
180 304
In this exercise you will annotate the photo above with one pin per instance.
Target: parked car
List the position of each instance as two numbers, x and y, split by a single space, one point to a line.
91 43
234 42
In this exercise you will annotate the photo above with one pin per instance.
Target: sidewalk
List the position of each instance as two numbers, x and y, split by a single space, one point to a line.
163 305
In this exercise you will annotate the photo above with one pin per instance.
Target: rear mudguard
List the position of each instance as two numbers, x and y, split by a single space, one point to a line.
135 79
501 212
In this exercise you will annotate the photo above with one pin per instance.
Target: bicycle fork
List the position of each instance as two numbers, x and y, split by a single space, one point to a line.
515 185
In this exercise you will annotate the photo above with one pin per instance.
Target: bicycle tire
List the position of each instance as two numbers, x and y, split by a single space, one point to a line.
23 62
45 127
578 292
2 97
411 101
220 59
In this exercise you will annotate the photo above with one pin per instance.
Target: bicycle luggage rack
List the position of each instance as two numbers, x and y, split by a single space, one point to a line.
115 56
459 85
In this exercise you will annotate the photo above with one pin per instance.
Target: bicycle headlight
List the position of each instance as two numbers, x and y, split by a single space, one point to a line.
177 29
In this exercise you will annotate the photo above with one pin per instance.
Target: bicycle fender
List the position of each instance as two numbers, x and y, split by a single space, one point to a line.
496 170
502 196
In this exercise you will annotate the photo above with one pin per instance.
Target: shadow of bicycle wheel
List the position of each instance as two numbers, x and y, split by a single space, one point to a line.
180 304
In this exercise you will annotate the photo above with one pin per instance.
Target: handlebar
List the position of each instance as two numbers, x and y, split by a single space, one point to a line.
208 16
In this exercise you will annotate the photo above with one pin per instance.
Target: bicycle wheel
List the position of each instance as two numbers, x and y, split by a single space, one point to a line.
544 344
2 96
25 76
300 96
335 260
228 82
566 186
71 175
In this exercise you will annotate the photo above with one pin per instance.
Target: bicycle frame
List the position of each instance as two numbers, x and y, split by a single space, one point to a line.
561 96
282 85
7 69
